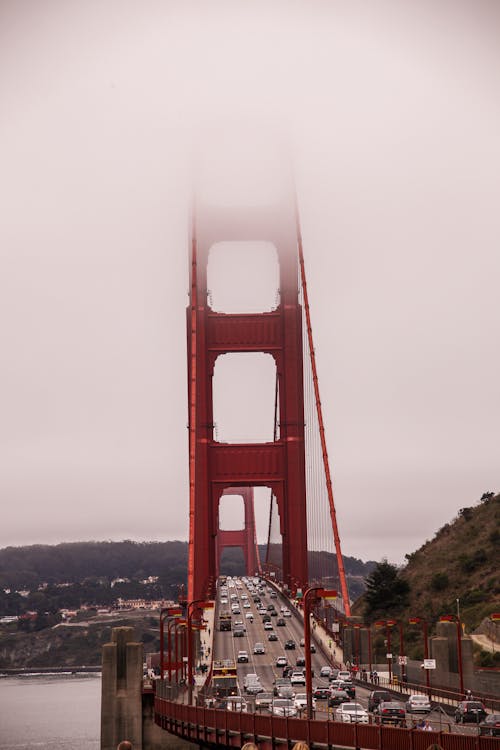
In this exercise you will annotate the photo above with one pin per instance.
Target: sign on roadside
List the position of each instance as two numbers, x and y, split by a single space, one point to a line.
429 664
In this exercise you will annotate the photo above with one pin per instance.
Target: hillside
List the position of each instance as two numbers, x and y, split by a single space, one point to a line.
458 571
50 577
461 562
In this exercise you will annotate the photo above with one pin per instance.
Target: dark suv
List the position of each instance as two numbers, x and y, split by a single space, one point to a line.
472 711
375 697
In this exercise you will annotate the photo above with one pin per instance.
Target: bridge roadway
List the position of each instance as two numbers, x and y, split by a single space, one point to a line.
208 726
226 646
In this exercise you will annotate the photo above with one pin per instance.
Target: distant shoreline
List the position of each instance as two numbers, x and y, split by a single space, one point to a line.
48 670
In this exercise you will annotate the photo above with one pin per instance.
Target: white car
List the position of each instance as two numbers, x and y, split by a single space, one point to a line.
418 704
352 712
344 676
249 616
246 605
287 613
301 702
325 671
268 626
242 657
259 648
297 678
283 707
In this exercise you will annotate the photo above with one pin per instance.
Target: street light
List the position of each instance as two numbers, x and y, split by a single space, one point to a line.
166 613
202 604
456 619
423 623
319 592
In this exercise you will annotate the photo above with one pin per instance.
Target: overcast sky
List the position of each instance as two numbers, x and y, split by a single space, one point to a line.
392 112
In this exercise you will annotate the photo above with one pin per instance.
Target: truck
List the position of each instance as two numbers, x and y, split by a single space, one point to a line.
225 621
224 678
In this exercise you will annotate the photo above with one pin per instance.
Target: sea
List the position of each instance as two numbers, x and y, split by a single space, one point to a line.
50 712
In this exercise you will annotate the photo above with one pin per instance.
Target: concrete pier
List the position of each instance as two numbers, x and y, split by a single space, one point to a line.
127 713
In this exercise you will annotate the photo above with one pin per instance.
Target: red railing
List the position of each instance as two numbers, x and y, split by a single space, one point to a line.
233 729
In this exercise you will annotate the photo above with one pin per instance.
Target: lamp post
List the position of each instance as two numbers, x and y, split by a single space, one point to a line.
202 604
177 623
166 613
163 615
387 625
309 596
423 623
456 619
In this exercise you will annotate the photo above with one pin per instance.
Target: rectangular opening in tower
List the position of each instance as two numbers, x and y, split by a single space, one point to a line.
244 398
243 277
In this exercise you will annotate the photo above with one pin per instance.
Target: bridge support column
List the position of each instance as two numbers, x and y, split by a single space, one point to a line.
121 699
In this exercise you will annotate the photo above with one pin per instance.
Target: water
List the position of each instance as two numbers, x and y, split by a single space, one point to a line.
50 712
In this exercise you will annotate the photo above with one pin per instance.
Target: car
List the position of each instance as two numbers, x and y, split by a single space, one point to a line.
272 636
270 607
290 644
254 688
336 697
238 633
287 671
273 613
234 703
287 613
391 712
242 657
301 702
239 624
376 696
302 642
491 725
313 648
279 683
268 626
300 661
281 661
280 622
418 704
469 711
321 693
349 687
297 678
266 618
273 595
352 712
236 610
325 671
343 674
262 611
246 605
283 707
249 616
263 700
259 648
286 691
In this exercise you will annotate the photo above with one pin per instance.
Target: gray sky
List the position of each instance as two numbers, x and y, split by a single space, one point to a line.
392 110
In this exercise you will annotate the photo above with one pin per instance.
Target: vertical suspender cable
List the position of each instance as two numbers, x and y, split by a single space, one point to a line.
336 535
192 411
275 435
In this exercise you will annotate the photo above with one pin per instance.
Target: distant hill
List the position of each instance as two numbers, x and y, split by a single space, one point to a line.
461 562
91 567
456 571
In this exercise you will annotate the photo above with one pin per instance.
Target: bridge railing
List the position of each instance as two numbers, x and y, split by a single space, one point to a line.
232 729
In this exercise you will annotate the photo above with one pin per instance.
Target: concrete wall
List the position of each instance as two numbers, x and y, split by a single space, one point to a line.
127 714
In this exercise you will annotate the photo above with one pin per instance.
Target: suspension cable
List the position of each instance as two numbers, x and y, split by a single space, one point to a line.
326 465
192 411
275 436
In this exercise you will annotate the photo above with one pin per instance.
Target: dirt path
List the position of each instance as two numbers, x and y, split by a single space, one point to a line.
486 643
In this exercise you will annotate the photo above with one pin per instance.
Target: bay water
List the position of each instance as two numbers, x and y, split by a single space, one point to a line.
50 712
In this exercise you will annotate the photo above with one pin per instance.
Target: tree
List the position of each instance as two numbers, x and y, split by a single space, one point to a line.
386 591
